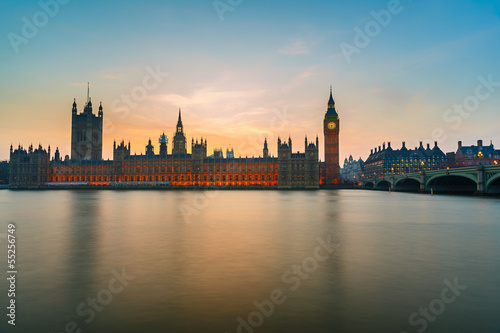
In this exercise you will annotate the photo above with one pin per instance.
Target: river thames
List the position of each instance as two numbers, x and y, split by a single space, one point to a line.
251 261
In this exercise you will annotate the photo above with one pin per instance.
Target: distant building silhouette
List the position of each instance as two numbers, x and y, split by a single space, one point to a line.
29 168
352 171
4 172
86 132
299 169
179 139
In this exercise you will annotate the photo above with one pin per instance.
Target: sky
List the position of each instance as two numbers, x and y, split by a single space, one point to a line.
242 71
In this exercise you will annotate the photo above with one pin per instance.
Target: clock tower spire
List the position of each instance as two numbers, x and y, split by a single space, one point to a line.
331 102
331 130
179 139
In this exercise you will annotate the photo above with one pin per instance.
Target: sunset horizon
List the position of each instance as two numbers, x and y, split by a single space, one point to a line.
250 166
231 79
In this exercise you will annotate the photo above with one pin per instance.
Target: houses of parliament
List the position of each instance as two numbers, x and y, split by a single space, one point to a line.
37 168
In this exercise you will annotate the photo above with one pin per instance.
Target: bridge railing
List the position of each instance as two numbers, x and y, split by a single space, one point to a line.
417 171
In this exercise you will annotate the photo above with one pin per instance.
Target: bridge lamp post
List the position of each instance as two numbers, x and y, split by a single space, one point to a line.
392 177
480 155
422 164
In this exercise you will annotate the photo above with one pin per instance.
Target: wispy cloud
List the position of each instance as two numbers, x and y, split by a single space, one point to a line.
119 72
375 90
113 77
300 79
296 47
209 97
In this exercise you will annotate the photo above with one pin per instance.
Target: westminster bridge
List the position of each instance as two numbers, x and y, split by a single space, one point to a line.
481 180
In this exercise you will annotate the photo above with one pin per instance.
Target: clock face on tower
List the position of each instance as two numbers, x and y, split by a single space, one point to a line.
332 125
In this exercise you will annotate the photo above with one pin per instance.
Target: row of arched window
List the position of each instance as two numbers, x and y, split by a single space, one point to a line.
164 178
204 178
82 179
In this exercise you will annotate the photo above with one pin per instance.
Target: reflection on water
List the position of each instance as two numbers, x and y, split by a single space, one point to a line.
215 261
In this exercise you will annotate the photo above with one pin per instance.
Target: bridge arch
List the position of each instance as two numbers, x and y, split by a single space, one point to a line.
383 185
464 175
493 184
456 183
369 186
407 184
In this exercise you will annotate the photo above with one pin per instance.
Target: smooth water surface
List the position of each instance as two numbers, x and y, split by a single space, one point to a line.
334 261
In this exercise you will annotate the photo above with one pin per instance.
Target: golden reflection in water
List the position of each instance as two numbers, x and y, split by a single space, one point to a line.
200 272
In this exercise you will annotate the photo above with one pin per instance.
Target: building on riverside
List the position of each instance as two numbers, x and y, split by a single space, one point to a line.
29 168
86 132
384 161
352 171
4 173
330 170
475 155
288 170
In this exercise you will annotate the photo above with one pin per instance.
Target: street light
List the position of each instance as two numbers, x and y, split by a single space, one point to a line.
480 155
422 164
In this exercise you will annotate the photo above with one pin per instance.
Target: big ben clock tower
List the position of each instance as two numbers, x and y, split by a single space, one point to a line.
331 129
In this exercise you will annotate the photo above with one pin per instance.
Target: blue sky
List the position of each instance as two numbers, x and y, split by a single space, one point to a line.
263 71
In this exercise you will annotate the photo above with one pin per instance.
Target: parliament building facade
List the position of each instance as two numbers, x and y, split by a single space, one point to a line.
34 168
